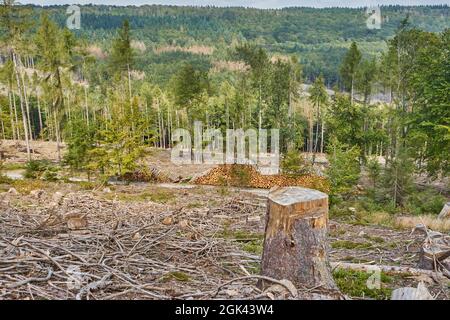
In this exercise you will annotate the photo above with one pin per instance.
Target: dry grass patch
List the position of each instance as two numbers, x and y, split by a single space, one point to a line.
432 222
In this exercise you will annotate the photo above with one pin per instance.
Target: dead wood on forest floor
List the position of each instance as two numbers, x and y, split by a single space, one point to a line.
208 238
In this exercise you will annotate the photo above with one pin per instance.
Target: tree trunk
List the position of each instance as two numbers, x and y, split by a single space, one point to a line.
321 136
2 125
86 105
351 94
310 139
41 125
22 108
11 116
295 246
16 117
25 94
58 147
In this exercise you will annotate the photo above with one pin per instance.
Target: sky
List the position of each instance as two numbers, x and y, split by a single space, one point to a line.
247 3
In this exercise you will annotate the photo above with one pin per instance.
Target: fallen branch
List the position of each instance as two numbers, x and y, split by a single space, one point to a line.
34 279
281 283
388 269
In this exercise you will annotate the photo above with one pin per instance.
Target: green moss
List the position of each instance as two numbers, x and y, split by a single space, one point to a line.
248 241
254 267
176 275
223 190
255 247
26 186
346 244
13 166
87 185
4 179
240 235
355 259
160 196
195 205
354 284
374 238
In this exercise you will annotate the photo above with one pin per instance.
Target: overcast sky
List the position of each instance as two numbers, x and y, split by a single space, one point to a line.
248 3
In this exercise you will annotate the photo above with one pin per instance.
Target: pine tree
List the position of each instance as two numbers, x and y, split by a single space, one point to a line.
349 68
55 52
122 54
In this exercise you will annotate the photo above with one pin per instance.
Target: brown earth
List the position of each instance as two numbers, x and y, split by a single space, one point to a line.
152 242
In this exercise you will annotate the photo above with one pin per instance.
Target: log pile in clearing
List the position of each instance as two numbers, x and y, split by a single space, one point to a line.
247 176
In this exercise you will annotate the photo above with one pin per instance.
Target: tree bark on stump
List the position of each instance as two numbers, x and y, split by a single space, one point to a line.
295 246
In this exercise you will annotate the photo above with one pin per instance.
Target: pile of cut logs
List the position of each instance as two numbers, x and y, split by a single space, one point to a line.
250 177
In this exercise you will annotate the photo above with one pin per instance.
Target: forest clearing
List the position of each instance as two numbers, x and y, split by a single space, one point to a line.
224 153
189 241
55 227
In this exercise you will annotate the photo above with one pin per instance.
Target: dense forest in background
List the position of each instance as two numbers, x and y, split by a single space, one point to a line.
128 78
318 37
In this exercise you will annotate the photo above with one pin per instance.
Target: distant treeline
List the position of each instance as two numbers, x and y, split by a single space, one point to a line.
319 37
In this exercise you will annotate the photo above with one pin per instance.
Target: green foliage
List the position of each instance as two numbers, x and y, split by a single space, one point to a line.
294 163
41 169
424 202
122 54
430 120
398 178
188 84
344 169
349 66
347 244
319 36
80 141
354 284
176 275
109 98
240 175
3 178
373 170
317 93
365 78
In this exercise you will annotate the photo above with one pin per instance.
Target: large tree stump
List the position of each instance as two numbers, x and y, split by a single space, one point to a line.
295 246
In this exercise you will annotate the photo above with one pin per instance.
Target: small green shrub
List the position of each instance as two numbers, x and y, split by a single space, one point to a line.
354 284
41 169
424 202
294 164
240 175
4 179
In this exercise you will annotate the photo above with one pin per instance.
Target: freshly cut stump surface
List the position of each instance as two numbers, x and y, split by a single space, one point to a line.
295 243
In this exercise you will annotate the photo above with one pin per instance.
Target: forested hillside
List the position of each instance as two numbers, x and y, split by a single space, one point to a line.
319 37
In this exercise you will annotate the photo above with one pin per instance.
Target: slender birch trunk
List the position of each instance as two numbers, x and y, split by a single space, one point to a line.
321 139
11 116
16 117
86 105
25 94
41 125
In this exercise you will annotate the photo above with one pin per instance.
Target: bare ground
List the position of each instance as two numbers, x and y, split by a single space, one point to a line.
158 242
163 241
14 152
